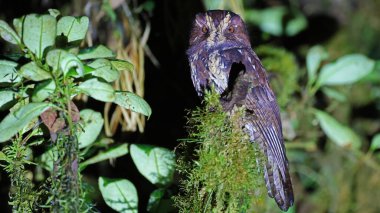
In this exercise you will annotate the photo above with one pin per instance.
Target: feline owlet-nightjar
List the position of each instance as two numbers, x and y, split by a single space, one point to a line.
219 42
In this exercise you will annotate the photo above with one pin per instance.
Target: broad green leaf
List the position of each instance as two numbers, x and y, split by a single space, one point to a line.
98 90
39 32
269 20
113 152
119 194
33 72
43 90
8 34
121 65
334 94
296 24
104 69
16 121
61 60
155 199
337 132
97 52
8 73
69 61
346 70
375 143
133 102
17 24
155 163
374 76
6 98
87 69
91 126
73 28
54 57
314 57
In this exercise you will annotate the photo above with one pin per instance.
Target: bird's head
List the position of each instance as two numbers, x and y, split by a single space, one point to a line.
219 29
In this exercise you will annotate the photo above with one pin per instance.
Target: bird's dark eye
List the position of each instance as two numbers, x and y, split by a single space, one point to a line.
231 29
204 29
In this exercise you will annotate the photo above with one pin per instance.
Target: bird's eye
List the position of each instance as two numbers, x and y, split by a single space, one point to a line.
204 29
231 29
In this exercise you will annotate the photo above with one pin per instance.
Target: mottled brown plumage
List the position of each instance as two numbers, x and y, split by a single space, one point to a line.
221 56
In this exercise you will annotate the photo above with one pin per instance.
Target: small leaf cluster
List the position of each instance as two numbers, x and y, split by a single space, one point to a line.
156 164
37 85
57 68
347 70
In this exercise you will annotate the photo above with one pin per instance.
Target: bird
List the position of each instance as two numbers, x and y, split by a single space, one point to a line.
221 57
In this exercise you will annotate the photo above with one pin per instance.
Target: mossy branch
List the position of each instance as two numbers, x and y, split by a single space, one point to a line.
226 175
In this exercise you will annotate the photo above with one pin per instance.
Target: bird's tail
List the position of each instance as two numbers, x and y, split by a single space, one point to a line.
278 184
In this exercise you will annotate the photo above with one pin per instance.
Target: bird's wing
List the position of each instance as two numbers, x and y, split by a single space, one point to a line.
264 127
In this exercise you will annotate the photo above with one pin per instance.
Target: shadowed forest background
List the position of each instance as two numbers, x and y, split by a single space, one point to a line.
323 62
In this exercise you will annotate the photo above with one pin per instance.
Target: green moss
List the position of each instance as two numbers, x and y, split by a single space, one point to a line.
226 176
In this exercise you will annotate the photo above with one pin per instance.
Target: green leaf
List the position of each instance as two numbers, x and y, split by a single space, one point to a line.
43 90
3 157
119 194
91 126
8 73
296 24
47 159
133 102
314 57
337 132
97 52
375 143
104 69
155 163
87 69
148 6
98 90
269 20
374 76
54 12
155 199
8 34
61 60
346 70
73 28
334 94
107 8
54 57
7 97
113 152
122 65
39 32
16 121
69 61
214 4
33 72
17 24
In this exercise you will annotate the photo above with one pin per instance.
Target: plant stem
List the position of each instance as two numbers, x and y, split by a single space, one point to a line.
67 179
